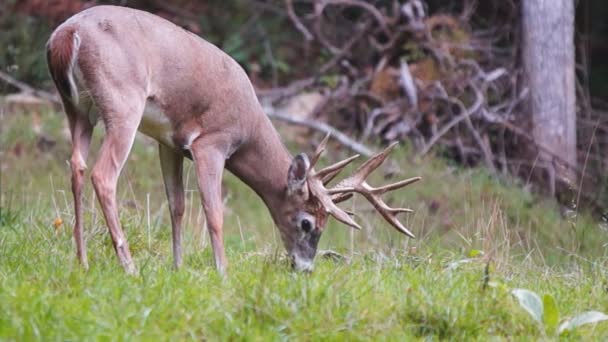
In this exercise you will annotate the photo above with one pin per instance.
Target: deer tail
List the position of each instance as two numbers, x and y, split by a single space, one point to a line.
61 56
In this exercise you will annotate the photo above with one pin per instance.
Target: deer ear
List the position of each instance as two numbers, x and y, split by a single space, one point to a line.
296 176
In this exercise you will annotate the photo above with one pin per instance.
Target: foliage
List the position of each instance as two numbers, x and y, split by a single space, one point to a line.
479 235
256 39
492 231
23 54
8 218
546 313
467 41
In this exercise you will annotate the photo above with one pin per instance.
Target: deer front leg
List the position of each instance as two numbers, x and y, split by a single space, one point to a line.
171 164
112 156
209 163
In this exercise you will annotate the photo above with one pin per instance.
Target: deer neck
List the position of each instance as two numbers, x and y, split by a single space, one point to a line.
262 163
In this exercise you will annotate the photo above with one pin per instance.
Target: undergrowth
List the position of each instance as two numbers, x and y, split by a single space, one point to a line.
478 238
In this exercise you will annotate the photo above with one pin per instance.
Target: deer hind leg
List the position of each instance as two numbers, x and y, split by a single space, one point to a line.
171 164
209 163
121 127
81 130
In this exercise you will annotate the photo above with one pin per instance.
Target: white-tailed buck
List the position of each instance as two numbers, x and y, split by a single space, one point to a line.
137 71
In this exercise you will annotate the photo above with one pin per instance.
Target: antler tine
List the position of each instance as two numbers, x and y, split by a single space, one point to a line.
319 151
328 173
389 214
391 217
317 180
343 217
364 170
341 197
390 187
348 187
320 192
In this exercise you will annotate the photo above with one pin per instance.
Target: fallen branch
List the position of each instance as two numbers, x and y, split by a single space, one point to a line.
26 88
323 128
364 5
275 95
297 22
407 83
464 114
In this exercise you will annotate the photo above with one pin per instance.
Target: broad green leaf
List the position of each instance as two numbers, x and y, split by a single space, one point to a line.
550 313
497 285
582 319
531 302
475 253
282 66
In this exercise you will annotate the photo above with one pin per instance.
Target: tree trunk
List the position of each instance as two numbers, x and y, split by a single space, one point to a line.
548 59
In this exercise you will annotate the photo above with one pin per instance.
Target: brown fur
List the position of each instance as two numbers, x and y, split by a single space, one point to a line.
59 56
128 59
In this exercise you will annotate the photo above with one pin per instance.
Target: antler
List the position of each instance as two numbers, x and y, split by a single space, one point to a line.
318 179
356 183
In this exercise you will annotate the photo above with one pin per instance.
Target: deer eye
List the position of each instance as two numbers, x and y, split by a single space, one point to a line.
306 225
305 222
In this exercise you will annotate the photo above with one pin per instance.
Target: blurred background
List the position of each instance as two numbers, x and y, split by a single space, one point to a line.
518 90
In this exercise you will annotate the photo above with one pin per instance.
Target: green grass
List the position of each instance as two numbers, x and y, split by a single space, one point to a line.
386 286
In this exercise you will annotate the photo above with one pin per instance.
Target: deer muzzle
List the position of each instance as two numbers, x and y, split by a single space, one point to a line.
303 252
301 264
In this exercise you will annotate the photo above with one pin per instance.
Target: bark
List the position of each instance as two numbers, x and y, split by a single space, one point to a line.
548 59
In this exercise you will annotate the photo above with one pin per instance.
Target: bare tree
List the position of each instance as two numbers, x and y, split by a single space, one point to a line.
548 58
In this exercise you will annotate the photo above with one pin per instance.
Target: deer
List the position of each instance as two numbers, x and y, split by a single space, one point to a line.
136 71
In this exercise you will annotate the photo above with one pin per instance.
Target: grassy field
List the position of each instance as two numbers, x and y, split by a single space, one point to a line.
478 239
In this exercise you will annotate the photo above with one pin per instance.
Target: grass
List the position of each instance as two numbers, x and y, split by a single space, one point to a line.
478 238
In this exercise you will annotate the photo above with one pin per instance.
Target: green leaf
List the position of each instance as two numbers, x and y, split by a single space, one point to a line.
475 253
499 286
550 313
582 319
531 302
283 66
330 80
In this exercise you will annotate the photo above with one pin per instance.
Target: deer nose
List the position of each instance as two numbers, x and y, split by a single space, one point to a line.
302 265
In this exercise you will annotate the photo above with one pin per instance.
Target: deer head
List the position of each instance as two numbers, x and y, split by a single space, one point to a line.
309 201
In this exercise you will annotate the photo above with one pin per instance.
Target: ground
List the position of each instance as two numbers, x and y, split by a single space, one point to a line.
478 238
